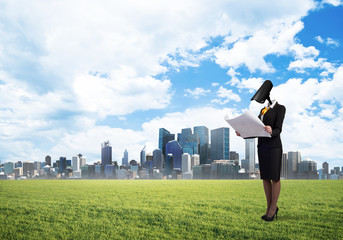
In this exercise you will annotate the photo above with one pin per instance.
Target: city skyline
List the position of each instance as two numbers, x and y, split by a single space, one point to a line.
75 75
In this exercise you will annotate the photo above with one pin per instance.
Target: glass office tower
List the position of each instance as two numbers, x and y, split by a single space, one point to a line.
125 159
106 154
174 148
202 132
164 137
157 159
143 157
220 144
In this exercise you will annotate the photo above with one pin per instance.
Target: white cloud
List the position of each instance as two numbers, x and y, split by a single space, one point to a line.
333 2
328 41
215 84
121 93
251 84
276 39
225 96
196 93
301 65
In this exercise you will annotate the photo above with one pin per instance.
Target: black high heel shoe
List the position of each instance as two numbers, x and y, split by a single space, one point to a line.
269 219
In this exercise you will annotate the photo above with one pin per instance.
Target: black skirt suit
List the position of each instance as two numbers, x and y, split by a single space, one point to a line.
270 149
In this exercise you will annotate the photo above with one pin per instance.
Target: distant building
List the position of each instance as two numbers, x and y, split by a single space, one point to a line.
157 159
336 170
143 157
174 148
233 156
76 163
164 137
48 160
62 164
106 153
293 159
220 144
191 144
195 160
125 159
284 166
8 168
169 163
203 135
325 167
28 168
186 163
250 152
307 169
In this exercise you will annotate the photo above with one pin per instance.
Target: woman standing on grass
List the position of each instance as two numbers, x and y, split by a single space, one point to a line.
270 148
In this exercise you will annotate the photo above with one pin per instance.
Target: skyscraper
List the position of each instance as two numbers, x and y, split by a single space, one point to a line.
164 137
143 156
186 163
202 132
125 159
157 159
174 148
284 168
220 145
106 153
48 160
250 153
293 159
191 144
76 163
185 134
326 168
62 164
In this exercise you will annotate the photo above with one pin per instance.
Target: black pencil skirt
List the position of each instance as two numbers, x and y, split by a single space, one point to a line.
270 162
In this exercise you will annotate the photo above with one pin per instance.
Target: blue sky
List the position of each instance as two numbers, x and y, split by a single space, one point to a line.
75 74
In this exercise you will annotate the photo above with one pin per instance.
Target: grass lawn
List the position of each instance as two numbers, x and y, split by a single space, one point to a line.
173 209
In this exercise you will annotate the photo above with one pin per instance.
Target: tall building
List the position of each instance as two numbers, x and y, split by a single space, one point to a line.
48 160
169 163
9 168
106 153
325 166
143 156
233 156
157 159
28 168
202 132
174 148
76 163
220 144
191 144
62 164
293 159
125 159
284 166
164 137
307 169
250 153
186 163
183 137
195 160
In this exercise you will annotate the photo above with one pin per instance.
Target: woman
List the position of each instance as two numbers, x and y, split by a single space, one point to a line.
270 149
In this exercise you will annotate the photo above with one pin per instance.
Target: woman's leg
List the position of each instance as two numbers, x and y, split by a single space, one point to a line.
275 192
267 185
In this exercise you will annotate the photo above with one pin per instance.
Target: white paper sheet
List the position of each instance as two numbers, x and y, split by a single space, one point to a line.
248 125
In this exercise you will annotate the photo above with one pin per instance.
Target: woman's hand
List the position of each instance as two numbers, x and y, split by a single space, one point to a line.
268 129
238 134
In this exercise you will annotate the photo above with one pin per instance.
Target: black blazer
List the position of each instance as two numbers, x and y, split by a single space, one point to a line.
274 118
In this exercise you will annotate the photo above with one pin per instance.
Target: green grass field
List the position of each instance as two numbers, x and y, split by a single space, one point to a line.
157 209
